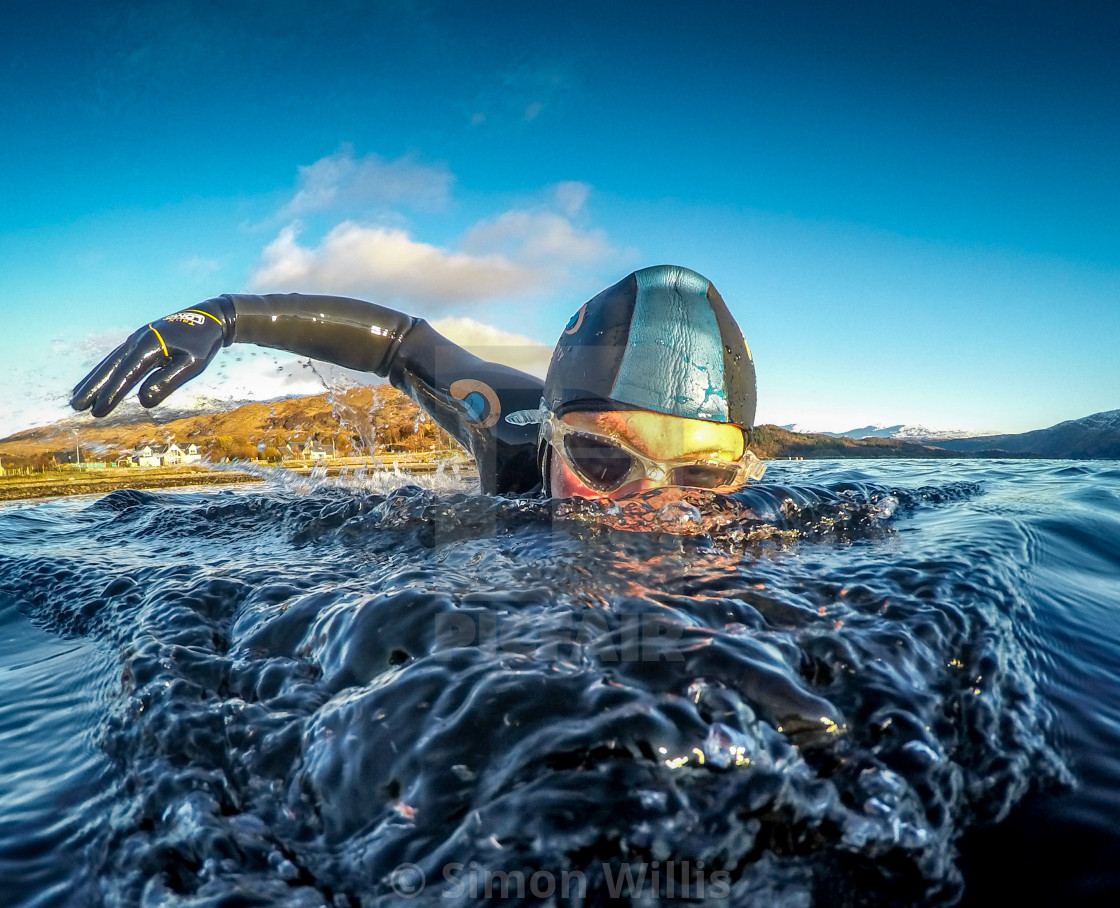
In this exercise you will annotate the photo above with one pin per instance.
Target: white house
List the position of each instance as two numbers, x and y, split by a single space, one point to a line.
146 456
168 455
312 450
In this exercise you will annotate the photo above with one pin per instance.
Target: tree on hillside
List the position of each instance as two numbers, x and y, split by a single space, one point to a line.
242 450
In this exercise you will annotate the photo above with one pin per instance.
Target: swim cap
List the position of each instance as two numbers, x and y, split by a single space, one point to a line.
660 339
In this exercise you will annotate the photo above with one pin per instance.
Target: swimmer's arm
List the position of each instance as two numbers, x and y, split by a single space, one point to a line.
467 396
164 354
437 374
347 332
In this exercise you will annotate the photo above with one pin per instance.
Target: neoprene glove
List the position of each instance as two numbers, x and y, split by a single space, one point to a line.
163 355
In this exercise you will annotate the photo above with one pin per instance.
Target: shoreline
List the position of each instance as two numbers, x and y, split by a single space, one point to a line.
14 490
101 482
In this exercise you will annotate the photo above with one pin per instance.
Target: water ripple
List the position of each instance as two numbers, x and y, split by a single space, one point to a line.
805 692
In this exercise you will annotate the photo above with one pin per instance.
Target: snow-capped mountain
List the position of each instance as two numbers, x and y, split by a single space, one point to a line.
129 411
902 432
1093 436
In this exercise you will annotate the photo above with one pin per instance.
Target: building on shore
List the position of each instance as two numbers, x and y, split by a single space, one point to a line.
312 450
167 455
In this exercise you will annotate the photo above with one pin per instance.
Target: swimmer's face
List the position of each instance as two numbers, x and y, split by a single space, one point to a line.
661 438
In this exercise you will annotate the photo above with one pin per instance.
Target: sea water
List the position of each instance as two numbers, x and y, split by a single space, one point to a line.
855 683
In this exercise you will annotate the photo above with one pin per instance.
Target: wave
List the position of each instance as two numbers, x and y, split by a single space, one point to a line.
773 692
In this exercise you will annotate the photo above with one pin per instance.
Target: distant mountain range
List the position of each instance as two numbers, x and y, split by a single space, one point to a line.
1095 436
902 432
129 412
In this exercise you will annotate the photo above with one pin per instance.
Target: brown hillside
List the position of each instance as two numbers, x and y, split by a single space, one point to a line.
350 423
773 443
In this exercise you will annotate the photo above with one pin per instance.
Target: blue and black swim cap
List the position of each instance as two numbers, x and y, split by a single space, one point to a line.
660 339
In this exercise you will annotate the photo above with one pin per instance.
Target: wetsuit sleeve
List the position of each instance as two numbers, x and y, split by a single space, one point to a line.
468 396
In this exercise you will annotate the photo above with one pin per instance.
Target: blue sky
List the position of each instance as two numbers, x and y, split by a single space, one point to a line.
910 208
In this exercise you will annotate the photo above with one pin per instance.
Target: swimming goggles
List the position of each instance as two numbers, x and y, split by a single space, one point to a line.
606 462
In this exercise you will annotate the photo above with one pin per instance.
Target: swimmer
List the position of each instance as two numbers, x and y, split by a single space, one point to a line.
650 385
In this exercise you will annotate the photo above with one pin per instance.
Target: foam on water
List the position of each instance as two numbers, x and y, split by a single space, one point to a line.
325 692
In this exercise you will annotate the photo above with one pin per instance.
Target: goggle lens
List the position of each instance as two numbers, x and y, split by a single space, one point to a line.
602 465
704 476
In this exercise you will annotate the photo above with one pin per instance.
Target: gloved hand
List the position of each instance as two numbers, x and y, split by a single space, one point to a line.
169 352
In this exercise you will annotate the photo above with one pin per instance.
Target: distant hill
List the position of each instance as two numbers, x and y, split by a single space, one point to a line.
357 421
777 443
900 432
129 412
1096 436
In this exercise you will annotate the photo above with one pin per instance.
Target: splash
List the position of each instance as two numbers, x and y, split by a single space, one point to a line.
359 420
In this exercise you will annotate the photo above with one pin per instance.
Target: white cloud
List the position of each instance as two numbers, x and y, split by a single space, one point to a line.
538 238
496 345
387 265
341 179
571 197
39 408
515 253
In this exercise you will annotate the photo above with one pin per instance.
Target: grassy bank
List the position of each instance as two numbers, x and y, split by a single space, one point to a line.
56 483
97 482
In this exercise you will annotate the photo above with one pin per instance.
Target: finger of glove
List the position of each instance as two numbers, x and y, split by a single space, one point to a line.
166 379
85 391
146 354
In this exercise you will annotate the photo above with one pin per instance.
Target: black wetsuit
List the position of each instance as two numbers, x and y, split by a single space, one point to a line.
467 396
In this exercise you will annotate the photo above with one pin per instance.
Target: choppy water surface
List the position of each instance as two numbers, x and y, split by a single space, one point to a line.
859 683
